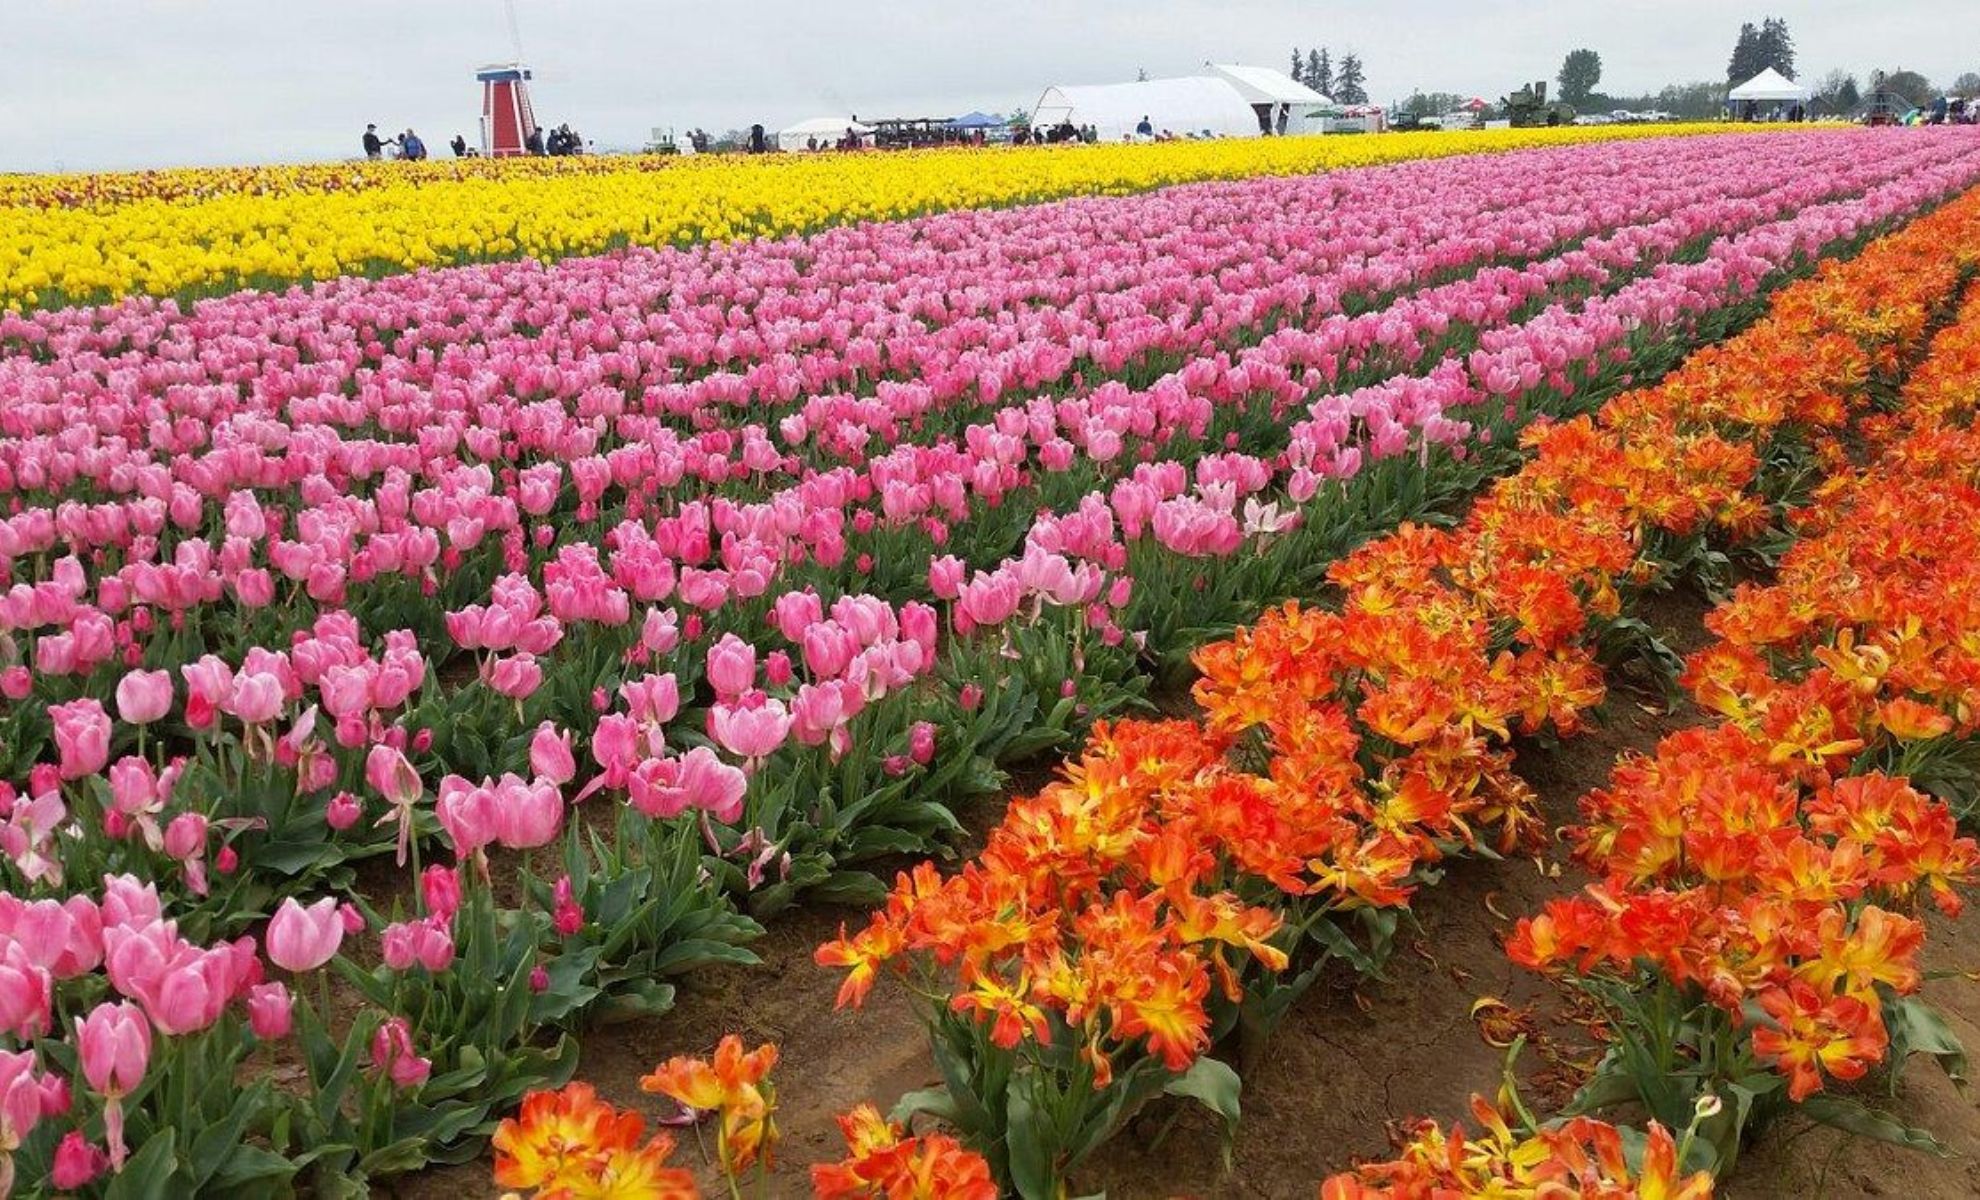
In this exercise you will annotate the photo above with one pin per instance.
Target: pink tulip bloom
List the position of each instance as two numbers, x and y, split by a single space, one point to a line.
516 676
440 891
527 815
751 732
302 938
343 811
699 779
144 696
392 1053
78 1163
24 1097
114 1045
271 1011
26 994
731 666
392 777
550 755
257 698
82 737
468 813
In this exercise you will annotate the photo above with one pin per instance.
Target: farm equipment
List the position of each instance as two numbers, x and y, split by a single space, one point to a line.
1527 108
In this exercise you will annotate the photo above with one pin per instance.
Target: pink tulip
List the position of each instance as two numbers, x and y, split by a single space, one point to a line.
392 777
24 1099
257 698
468 813
78 1163
426 943
527 815
567 916
550 755
343 811
304 938
699 779
654 700
731 666
26 994
517 676
440 891
392 1052
754 732
82 737
271 1011
114 1045
144 696
921 742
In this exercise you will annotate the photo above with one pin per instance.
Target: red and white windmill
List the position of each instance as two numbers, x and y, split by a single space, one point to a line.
508 122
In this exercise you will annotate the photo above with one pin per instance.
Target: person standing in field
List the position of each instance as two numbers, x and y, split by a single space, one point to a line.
374 146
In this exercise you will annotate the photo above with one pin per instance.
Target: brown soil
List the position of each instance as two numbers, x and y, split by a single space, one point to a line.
1354 1062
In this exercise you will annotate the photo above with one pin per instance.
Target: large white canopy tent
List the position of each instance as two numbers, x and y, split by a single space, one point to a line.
827 131
1769 85
1273 94
1186 105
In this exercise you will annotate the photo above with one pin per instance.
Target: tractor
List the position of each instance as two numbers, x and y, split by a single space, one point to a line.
1528 108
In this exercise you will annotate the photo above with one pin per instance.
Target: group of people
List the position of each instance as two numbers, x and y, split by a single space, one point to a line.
405 145
408 146
1064 131
562 141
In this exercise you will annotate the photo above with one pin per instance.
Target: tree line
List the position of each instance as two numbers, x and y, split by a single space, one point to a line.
1344 80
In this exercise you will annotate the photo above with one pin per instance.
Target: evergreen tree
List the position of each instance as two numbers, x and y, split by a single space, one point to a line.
1746 59
1320 72
1350 84
1776 46
1298 67
1579 74
1848 96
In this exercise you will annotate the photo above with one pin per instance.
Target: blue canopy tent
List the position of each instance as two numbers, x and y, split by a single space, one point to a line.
975 120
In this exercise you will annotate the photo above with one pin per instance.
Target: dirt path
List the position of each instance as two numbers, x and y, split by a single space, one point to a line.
1349 1065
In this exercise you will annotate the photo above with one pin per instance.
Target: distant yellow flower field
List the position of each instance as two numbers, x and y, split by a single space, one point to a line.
73 238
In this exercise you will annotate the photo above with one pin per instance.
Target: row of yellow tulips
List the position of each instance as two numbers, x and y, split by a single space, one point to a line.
190 233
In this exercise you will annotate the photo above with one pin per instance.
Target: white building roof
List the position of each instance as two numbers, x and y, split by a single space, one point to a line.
1263 85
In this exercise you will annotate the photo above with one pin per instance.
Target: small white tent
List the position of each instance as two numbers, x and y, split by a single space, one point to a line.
1275 94
1183 106
827 131
1769 85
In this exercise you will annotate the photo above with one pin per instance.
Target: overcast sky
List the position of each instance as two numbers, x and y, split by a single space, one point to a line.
124 83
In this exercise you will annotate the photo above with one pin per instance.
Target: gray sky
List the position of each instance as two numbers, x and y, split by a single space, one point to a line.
124 83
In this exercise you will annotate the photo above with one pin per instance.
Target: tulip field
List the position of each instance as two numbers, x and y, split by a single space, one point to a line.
974 674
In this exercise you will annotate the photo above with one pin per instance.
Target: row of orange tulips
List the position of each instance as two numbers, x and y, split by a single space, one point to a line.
1762 878
1752 928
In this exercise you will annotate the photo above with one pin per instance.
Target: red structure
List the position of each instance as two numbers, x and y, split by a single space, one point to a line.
508 123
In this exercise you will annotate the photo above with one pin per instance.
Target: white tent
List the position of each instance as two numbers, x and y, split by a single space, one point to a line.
1183 106
1263 85
827 131
1274 95
1768 85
